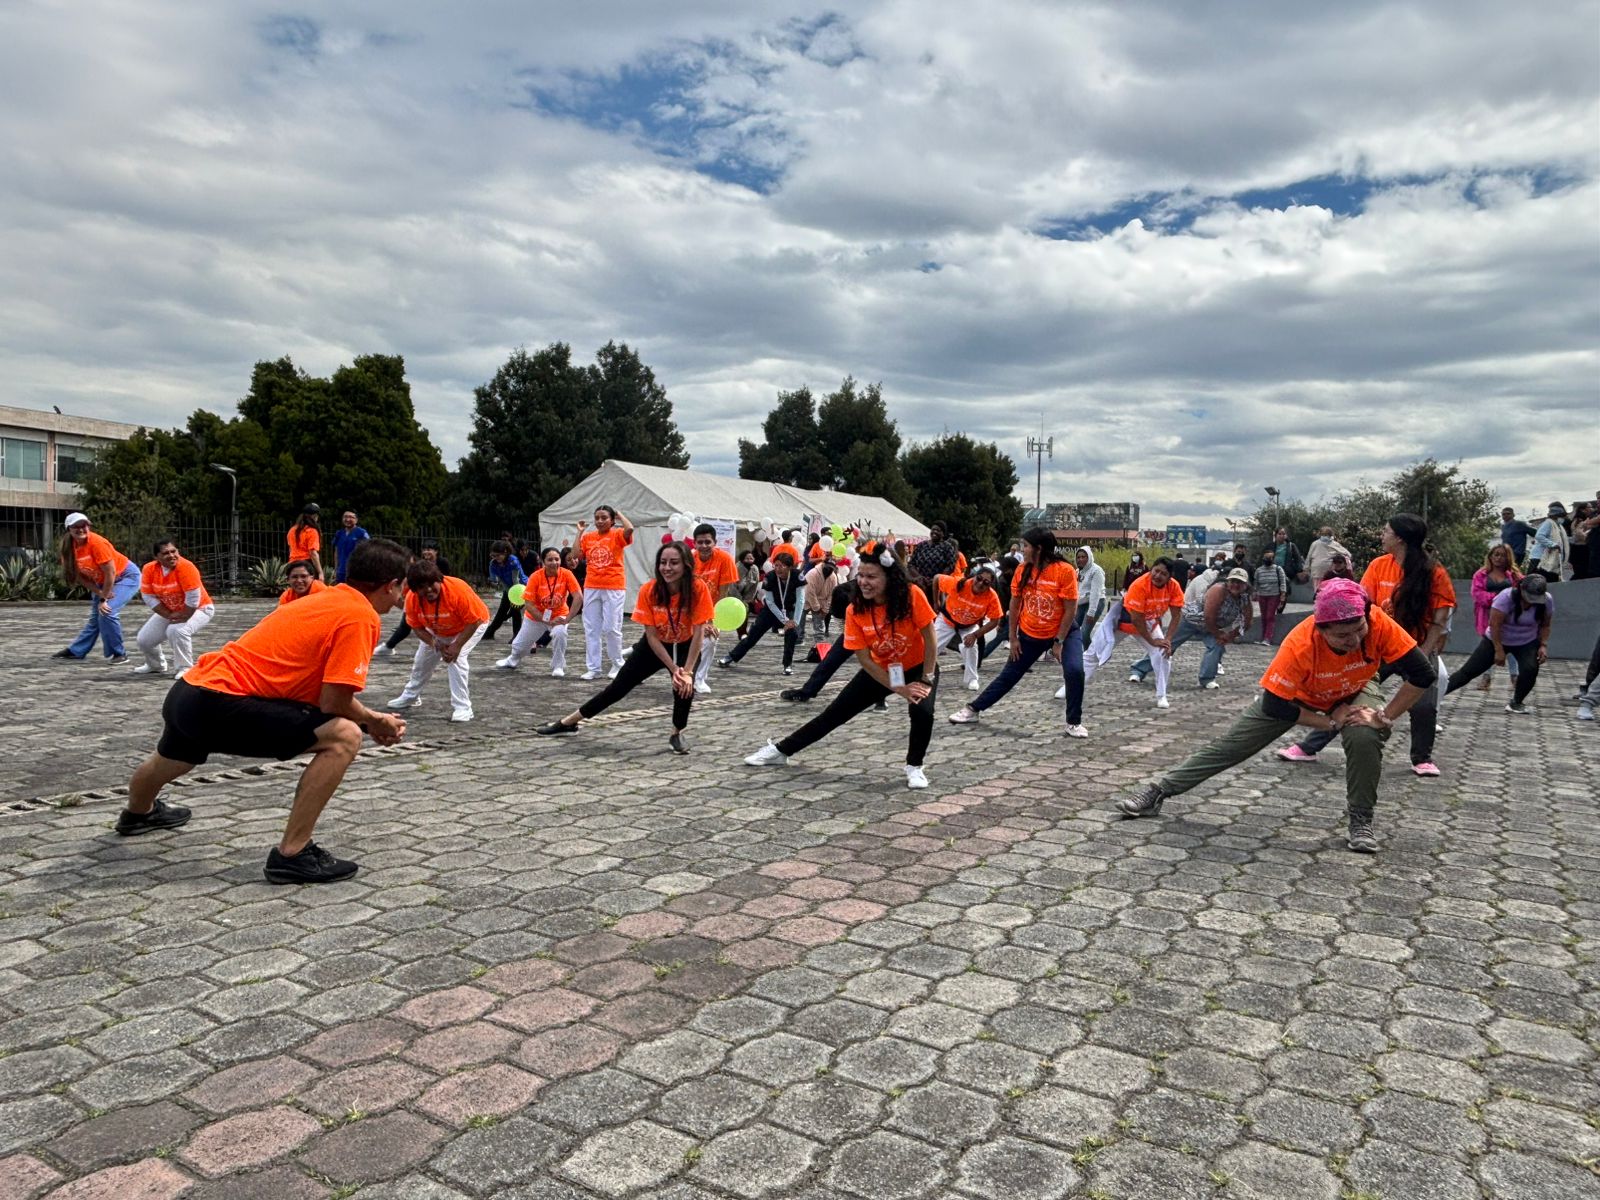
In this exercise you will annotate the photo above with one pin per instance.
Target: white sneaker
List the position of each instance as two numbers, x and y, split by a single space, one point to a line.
404 701
588 675
181 673
1163 702
702 688
558 673
1585 713
147 669
915 777
1211 685
964 716
1061 692
1077 731
1135 677
614 672
383 650
461 715
506 664
768 756
974 686
788 670
1222 670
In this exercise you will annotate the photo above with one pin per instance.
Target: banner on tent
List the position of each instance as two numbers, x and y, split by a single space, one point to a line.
726 533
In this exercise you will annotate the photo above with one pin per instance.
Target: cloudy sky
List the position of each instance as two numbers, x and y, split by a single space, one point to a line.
1214 246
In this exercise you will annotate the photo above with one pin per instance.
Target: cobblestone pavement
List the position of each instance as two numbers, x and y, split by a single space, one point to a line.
592 968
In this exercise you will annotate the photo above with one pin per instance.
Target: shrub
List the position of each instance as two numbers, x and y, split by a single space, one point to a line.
268 577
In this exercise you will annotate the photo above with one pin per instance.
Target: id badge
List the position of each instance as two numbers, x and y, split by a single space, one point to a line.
897 675
546 617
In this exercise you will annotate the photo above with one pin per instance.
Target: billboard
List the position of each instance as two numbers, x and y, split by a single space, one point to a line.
1094 515
1186 535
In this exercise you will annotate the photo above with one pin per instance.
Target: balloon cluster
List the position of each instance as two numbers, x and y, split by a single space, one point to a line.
681 524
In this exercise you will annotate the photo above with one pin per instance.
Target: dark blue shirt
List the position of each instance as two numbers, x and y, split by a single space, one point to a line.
1516 534
508 572
344 542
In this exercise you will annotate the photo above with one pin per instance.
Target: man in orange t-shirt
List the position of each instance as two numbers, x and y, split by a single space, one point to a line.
302 583
179 606
286 687
1153 598
91 562
714 567
449 619
1324 676
305 539
605 581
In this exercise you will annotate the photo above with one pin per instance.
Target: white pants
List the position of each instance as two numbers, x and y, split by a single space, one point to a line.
943 631
531 632
1107 637
602 617
460 671
708 651
177 634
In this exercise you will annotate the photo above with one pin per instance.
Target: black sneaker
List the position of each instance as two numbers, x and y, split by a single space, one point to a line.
162 816
555 727
1520 710
1146 802
679 746
74 658
724 662
311 865
881 706
117 660
795 695
1360 837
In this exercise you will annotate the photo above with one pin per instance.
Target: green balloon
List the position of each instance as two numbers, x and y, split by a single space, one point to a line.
515 593
729 613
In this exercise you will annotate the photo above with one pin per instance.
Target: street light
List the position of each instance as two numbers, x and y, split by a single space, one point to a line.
1274 493
233 526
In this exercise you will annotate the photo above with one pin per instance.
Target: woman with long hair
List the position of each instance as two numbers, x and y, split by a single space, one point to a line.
505 572
1518 631
91 562
890 627
673 608
1498 573
1407 582
1042 618
305 538
601 551
550 599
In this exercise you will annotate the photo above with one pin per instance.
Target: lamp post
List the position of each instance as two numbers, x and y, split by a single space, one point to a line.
233 525
1274 493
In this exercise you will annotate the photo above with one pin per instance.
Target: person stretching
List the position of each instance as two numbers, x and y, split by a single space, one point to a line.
1144 605
969 611
1323 676
448 617
91 562
550 599
505 572
1519 624
783 594
600 553
714 567
890 627
302 583
180 607
674 609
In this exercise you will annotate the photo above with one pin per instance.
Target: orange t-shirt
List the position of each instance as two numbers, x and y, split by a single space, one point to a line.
94 553
667 619
961 563
1050 595
1305 670
603 554
718 573
291 653
890 641
790 549
303 542
1141 599
965 607
1382 576
457 607
816 552
170 588
541 593
290 595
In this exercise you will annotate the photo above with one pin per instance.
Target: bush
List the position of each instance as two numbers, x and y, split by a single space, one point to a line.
268 577
21 580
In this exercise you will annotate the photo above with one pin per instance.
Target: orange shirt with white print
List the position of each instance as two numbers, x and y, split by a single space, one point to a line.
93 553
668 620
303 542
717 573
1145 602
290 595
1306 670
963 606
1382 576
457 607
868 628
790 549
1047 598
603 553
170 589
542 594
292 652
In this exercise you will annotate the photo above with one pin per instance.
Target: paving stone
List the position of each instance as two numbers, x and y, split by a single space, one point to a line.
599 1098
247 1140
368 1088
639 1155
251 1084
992 1067
705 1107
886 1166
755 1162
1101 1072
1515 1175
512 1151
492 1091
943 1114
1064 1117
1258 1172
1135 1171
1390 1169
779 1059
887 1062
138 1080
34 1119
557 1053
151 1179
277 1183
374 1148
123 1134
1011 1169
827 1109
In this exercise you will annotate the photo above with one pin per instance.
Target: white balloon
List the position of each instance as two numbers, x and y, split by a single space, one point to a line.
826 543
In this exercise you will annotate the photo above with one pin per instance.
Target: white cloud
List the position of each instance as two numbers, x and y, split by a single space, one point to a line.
184 197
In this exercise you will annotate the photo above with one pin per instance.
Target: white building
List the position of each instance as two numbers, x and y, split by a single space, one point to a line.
42 457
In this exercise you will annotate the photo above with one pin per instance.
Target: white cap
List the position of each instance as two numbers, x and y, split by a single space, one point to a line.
74 518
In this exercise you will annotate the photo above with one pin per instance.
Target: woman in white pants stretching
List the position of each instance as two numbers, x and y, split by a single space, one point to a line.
1143 607
180 607
550 600
604 582
448 618
969 610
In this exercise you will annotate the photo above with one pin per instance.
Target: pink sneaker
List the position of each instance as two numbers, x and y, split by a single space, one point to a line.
1293 753
1424 768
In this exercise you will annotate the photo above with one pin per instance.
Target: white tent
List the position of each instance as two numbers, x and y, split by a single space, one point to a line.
647 496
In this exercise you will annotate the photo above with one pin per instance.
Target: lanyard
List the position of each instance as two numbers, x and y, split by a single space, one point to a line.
550 590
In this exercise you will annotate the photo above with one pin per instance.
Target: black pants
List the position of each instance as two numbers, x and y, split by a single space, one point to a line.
766 621
860 694
1482 659
831 662
399 635
636 668
506 609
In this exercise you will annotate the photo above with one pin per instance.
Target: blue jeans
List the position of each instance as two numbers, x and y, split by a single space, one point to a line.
1016 668
107 626
1187 633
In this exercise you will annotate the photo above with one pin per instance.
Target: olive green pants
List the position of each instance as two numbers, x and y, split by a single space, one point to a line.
1254 731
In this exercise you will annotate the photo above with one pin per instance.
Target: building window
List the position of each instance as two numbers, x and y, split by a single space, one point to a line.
21 458
72 462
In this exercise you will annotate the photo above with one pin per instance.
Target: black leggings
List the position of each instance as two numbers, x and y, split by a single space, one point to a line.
766 621
860 694
1482 659
399 635
636 668
831 662
507 609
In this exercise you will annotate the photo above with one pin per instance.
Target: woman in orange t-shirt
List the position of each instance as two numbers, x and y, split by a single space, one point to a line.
1043 618
605 581
91 562
550 599
1145 604
674 608
180 607
305 539
890 627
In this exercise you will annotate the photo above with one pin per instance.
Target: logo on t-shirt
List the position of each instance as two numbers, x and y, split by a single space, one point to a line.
600 555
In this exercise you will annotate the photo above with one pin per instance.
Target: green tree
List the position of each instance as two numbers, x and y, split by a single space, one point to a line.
862 444
792 450
635 414
968 485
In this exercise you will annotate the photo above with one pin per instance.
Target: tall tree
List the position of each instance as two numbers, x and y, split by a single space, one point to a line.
968 485
792 450
635 414
862 444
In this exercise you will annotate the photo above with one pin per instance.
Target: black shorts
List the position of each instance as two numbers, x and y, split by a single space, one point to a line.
201 723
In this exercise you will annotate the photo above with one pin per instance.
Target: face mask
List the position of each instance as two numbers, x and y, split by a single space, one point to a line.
1327 537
